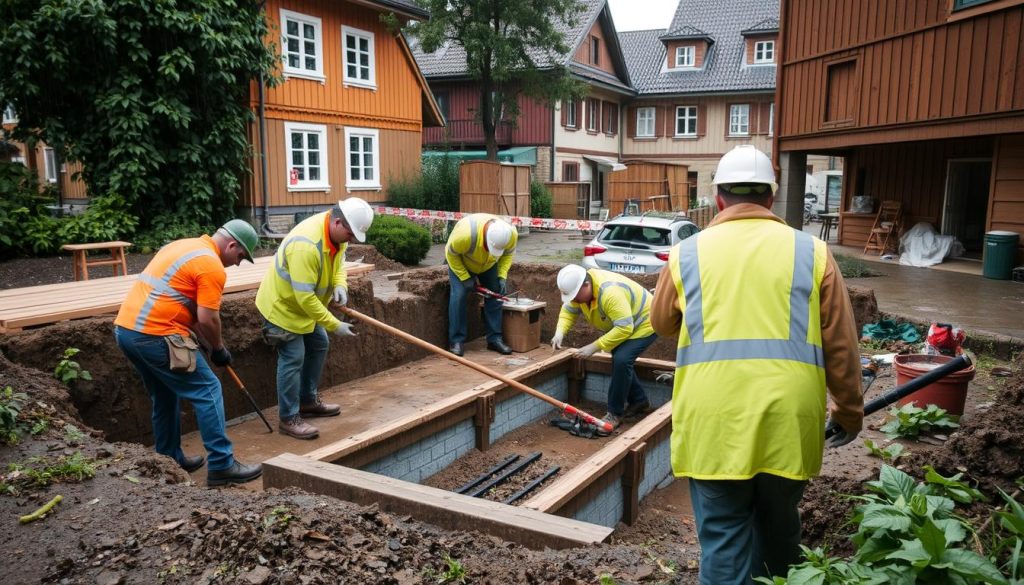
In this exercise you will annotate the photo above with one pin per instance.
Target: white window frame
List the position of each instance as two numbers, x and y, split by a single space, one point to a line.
50 165
322 184
301 71
370 83
739 120
10 116
642 119
362 184
592 114
570 113
771 118
686 56
764 52
689 115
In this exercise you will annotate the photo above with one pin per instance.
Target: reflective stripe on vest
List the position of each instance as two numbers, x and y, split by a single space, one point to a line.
636 321
281 266
796 348
162 287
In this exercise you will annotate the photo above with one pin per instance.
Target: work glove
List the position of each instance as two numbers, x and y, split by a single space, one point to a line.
468 284
221 357
340 295
839 439
556 341
501 286
345 330
587 350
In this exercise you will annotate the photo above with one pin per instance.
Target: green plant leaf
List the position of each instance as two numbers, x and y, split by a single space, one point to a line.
932 539
971 564
913 552
886 518
895 483
806 576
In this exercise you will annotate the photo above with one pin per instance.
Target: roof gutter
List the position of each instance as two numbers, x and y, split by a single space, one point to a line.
396 7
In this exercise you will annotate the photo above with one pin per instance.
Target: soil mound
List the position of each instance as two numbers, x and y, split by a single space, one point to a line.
39 388
368 254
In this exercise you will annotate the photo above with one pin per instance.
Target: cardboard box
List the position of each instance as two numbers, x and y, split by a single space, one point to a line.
520 325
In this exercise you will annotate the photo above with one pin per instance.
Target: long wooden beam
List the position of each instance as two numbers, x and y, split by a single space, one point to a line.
442 508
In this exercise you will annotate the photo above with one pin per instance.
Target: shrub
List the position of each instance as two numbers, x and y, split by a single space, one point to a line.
437 187
166 229
399 239
106 219
540 200
23 211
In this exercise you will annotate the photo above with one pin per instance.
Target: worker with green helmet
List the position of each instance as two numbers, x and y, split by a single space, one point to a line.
174 303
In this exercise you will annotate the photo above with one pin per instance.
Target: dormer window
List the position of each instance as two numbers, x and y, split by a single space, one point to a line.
764 52
595 50
686 56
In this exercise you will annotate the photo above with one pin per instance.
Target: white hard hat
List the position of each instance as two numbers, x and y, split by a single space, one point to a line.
358 215
570 280
499 234
745 164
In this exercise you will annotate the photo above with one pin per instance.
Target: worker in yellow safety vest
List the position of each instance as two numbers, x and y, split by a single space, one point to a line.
307 274
619 307
765 325
480 248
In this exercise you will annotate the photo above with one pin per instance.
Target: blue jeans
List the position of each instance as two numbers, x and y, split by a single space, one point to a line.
300 361
457 306
148 354
746 527
624 387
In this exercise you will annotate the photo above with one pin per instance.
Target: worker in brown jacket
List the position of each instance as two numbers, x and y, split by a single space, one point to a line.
765 325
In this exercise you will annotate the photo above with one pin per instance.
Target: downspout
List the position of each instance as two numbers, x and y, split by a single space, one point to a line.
263 146
554 130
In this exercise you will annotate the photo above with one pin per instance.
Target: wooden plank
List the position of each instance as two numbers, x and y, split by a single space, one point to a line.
39 305
562 490
632 476
446 509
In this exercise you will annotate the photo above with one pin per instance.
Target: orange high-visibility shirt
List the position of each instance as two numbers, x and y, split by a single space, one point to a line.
183 275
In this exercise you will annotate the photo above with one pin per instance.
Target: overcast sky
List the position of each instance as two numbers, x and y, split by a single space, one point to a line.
642 14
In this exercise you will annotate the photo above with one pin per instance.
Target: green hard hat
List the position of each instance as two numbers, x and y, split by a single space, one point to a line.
243 233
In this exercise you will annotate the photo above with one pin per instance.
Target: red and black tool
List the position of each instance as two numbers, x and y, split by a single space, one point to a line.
490 294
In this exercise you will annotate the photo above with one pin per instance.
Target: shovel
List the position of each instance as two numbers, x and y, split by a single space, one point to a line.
566 409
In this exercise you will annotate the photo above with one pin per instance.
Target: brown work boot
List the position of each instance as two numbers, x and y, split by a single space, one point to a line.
319 408
298 428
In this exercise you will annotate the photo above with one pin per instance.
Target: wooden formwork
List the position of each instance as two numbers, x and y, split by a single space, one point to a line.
546 520
493 187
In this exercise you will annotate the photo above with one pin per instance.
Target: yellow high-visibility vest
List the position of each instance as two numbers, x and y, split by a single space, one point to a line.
298 286
466 250
749 394
621 309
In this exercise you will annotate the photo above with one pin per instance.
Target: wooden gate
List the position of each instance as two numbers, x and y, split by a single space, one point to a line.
492 187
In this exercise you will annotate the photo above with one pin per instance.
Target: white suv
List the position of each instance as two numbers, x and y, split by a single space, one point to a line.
637 244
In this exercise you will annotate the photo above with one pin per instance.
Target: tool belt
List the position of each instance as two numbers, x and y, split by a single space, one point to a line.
181 353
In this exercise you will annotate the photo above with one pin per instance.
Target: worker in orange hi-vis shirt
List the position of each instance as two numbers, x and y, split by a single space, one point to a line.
178 293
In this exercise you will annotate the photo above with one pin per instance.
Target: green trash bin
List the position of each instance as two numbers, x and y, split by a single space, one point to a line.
1000 254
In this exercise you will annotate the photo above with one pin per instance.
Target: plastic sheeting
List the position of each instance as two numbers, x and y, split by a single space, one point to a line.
921 245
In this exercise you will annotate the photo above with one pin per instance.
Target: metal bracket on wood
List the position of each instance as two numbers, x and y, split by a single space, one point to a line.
482 420
577 374
632 476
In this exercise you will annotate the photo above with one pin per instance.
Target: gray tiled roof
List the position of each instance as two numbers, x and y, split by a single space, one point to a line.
724 69
684 32
450 58
409 6
769 24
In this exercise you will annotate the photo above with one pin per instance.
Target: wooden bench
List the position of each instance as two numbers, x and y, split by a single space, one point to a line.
82 261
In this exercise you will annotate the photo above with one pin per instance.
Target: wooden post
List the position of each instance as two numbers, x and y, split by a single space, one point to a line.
631 478
482 420
577 374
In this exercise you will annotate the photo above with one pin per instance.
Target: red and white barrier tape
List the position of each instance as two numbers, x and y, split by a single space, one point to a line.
533 222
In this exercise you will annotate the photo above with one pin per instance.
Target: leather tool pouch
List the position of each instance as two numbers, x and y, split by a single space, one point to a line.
275 336
181 352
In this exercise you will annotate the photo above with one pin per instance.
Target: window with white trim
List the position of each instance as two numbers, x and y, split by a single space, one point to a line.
686 120
686 56
645 122
739 120
306 145
50 164
301 45
10 116
358 48
362 158
771 118
570 113
592 114
764 52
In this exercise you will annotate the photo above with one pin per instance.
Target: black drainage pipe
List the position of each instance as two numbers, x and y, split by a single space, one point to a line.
508 461
532 485
504 476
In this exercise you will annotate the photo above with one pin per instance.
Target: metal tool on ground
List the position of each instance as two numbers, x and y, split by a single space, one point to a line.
488 293
579 428
487 474
241 386
504 476
900 392
532 485
567 409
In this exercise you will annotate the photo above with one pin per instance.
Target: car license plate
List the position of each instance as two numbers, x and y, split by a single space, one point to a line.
634 268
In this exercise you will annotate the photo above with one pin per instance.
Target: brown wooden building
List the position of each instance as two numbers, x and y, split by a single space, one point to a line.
923 98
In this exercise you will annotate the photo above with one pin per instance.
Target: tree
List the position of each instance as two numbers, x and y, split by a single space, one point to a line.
512 47
150 95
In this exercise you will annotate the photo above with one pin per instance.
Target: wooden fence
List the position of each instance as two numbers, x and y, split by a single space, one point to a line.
569 200
653 186
492 187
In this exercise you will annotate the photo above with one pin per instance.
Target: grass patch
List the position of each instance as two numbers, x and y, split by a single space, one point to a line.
563 256
853 268
36 472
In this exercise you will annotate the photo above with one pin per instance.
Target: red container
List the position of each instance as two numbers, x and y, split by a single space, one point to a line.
949 393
